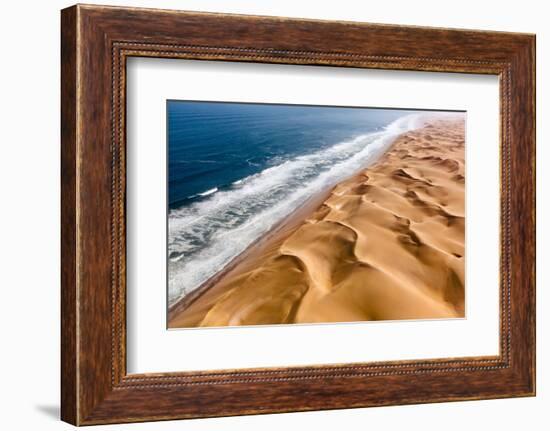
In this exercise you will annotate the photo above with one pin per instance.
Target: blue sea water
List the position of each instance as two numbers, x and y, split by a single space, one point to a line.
235 170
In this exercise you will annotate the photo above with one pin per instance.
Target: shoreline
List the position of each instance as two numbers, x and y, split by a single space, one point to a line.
288 274
275 233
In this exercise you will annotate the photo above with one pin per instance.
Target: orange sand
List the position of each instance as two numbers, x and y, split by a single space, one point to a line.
386 244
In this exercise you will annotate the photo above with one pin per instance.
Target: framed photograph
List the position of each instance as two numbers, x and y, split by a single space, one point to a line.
263 214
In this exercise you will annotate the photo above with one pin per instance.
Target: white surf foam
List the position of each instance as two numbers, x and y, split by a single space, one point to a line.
208 192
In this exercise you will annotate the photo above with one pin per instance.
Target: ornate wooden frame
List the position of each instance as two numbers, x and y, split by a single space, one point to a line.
95 43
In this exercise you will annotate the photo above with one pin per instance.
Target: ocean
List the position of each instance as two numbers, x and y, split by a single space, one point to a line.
235 170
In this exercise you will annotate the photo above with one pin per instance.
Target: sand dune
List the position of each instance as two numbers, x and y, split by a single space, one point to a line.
386 244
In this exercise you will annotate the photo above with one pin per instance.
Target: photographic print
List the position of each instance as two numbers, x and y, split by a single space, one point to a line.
265 208
285 214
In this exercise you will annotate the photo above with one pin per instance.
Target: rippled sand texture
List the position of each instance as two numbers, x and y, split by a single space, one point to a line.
387 244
